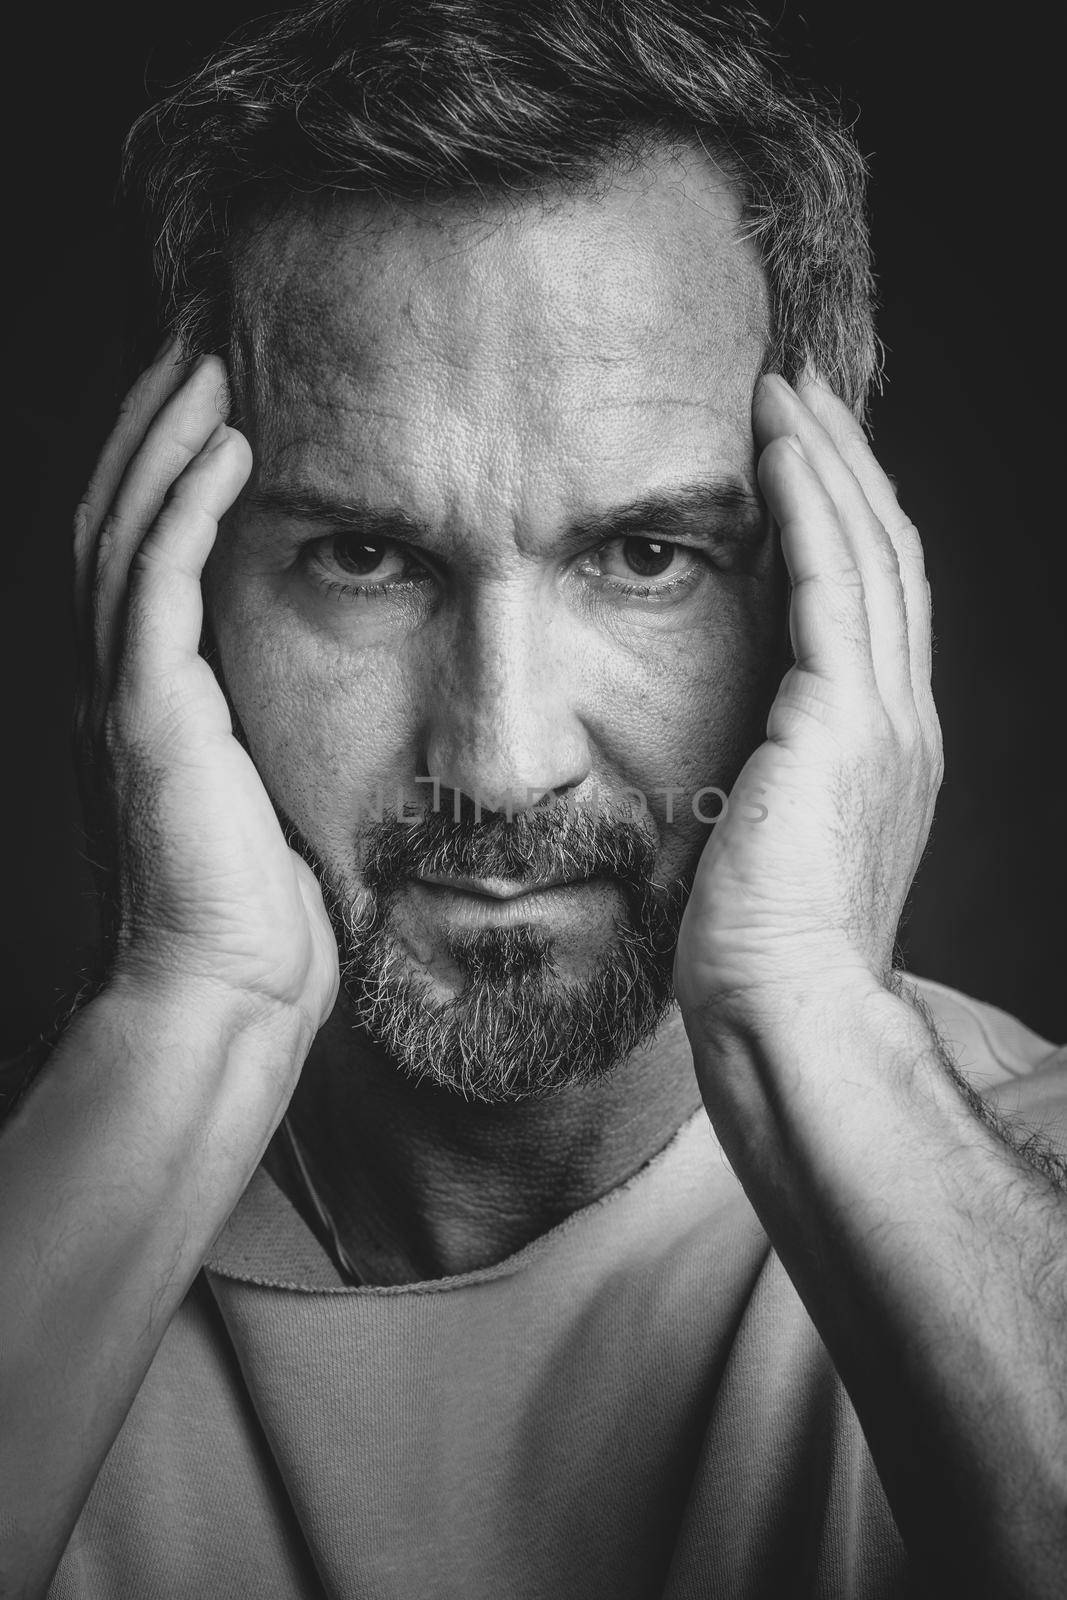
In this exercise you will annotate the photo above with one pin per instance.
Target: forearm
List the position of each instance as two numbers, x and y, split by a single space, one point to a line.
931 1256
116 1173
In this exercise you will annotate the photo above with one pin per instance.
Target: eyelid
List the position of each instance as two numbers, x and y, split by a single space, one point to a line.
334 582
721 550
692 544
318 548
692 550
662 588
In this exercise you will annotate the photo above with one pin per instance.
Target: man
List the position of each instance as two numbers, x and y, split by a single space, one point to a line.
501 1158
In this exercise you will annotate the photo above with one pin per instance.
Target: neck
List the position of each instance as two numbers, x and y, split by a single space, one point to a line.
421 1184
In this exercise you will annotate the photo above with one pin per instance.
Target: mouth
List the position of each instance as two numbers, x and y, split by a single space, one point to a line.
501 889
452 903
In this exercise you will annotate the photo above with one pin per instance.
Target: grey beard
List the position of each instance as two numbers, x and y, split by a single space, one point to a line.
517 1030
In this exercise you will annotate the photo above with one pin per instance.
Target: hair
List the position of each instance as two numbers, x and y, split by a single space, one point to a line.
413 99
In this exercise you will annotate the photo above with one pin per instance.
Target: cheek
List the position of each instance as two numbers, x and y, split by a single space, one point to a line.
323 728
688 710
664 709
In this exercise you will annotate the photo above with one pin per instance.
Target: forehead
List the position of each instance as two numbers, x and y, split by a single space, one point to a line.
513 340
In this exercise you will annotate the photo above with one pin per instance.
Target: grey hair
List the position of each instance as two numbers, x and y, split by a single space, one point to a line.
411 99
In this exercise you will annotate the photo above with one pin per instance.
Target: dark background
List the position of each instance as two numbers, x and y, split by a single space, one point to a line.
959 127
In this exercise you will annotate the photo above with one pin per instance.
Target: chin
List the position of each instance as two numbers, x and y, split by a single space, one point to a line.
507 1024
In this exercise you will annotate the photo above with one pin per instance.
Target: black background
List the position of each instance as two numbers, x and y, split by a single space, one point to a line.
960 127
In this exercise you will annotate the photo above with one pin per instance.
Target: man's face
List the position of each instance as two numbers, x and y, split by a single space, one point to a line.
503 537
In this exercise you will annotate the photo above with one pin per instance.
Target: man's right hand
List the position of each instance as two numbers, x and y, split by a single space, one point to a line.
137 1138
208 896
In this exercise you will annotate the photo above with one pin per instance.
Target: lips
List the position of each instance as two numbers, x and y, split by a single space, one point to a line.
497 888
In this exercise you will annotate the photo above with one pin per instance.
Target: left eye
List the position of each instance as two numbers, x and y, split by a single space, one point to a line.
638 558
378 560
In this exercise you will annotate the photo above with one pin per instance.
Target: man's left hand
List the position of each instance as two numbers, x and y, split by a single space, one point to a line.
926 1245
805 876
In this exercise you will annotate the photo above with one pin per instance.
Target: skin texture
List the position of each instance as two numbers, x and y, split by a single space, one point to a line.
430 366
498 379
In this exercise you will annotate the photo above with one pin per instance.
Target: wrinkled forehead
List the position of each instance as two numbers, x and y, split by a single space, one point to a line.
643 294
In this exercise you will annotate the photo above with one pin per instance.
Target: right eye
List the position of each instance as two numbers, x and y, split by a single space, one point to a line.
379 564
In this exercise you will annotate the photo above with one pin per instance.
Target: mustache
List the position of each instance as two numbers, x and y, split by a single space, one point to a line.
543 841
560 841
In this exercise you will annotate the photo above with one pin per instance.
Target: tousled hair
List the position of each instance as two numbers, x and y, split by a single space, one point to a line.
413 99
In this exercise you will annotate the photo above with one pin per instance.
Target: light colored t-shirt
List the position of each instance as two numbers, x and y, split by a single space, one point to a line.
635 1405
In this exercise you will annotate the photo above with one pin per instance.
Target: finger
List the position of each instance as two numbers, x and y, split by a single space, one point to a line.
851 441
872 550
165 611
828 619
173 439
154 386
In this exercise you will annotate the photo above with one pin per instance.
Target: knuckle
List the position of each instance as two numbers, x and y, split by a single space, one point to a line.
82 523
889 565
114 530
848 580
905 536
173 461
852 443
150 562
911 743
131 400
182 499
144 561
884 736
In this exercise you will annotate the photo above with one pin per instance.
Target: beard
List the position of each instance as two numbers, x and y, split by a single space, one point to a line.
518 1028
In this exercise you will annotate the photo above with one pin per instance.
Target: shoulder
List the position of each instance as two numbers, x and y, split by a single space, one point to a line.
1022 1073
987 1044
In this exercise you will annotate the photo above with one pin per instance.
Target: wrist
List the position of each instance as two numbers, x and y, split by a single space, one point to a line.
199 1009
817 995
196 1053
821 1062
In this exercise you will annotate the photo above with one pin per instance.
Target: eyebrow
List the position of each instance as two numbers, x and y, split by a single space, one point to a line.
708 510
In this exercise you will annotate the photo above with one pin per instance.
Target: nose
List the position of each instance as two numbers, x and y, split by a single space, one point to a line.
502 727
